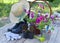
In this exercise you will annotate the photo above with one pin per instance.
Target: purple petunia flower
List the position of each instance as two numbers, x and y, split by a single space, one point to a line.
41 5
45 20
52 17
39 19
32 14
46 15
28 12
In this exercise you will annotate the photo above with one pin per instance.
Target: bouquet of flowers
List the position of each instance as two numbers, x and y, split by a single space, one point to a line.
42 21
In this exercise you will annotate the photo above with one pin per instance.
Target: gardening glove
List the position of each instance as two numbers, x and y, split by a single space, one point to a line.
12 36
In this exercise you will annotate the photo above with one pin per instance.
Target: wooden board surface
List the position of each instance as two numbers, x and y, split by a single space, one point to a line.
55 37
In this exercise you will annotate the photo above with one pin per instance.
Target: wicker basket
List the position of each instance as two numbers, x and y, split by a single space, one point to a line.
37 31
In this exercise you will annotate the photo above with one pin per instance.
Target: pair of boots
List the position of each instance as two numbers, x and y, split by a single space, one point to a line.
19 27
28 35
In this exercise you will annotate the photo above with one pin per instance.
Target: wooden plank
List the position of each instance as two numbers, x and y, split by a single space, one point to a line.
54 37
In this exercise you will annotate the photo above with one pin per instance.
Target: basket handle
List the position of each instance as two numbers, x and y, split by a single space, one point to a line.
47 4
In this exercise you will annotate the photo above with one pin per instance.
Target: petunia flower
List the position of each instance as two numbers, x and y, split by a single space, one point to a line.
47 14
41 5
45 20
31 14
39 19
27 11
52 17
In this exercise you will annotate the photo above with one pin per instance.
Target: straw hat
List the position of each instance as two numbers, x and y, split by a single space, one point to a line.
17 9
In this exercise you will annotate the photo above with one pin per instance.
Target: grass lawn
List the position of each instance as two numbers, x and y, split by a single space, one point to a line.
5 6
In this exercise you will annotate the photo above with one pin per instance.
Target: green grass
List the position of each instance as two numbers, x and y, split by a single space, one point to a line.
8 1
5 7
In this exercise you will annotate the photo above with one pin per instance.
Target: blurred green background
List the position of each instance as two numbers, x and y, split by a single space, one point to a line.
5 6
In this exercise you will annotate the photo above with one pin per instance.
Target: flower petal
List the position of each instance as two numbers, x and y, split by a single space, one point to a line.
41 5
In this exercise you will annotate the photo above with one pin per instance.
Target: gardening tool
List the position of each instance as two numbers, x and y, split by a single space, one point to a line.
41 39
